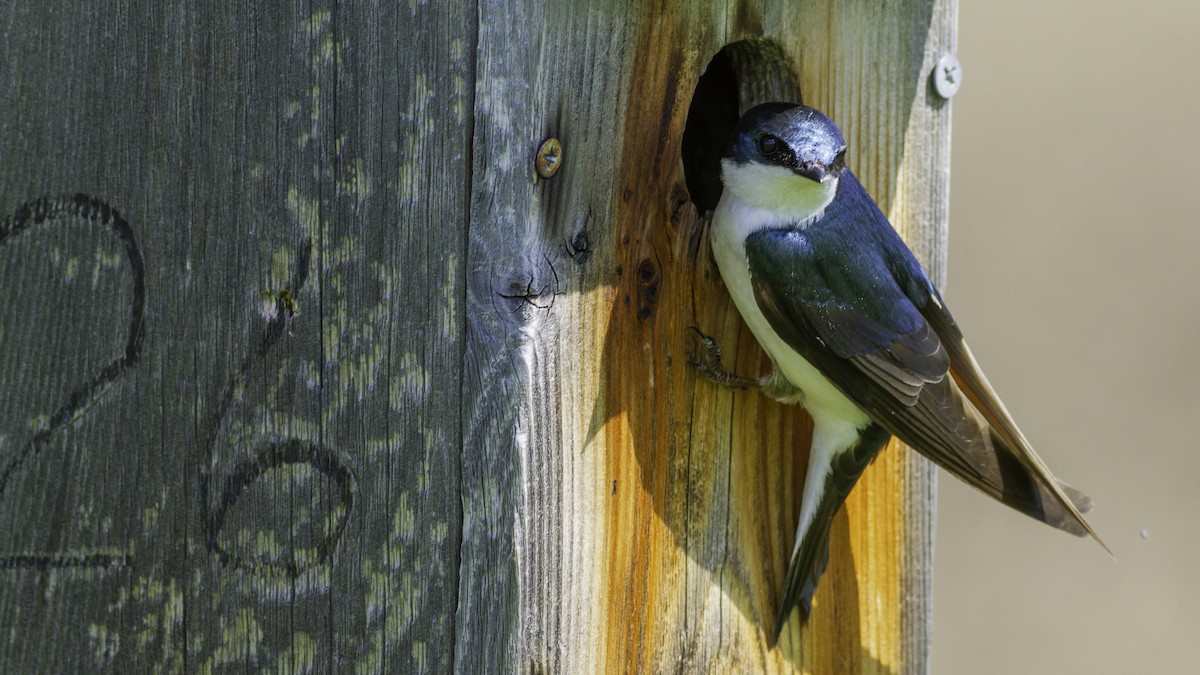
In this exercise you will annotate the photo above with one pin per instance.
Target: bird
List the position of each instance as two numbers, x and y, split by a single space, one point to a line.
857 334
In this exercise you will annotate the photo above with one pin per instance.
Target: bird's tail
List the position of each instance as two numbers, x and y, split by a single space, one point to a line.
811 552
806 567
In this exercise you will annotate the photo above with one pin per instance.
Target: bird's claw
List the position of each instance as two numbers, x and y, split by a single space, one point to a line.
709 363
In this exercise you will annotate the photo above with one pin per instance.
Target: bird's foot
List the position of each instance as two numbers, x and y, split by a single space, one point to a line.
709 363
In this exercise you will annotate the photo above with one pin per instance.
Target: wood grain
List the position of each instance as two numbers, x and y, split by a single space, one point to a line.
399 404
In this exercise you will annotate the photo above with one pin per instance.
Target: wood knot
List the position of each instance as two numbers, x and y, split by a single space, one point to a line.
649 281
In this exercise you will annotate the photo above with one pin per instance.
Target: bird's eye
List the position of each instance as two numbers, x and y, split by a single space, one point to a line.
769 145
839 162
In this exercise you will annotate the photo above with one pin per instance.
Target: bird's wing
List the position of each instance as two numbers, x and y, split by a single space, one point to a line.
858 307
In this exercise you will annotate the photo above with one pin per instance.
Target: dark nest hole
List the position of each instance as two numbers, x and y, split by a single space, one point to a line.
740 76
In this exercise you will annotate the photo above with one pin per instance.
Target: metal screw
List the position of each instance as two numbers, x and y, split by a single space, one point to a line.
549 158
947 76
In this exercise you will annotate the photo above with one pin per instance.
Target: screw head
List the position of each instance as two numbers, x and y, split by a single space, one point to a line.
947 76
549 158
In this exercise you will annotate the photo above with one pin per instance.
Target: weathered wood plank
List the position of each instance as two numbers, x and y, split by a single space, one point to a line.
277 477
401 139
705 485
540 251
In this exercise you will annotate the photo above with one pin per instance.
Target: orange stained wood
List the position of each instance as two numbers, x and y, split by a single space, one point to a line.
708 482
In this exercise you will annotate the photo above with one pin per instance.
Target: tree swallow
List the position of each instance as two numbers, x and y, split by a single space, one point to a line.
857 334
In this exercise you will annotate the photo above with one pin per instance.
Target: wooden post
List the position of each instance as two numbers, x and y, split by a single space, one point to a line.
304 367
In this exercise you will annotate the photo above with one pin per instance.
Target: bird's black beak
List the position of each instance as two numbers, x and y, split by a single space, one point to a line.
811 170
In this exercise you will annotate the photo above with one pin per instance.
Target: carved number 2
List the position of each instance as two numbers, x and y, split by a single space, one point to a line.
50 211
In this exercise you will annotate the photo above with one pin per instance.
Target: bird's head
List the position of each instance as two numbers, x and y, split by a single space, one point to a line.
784 157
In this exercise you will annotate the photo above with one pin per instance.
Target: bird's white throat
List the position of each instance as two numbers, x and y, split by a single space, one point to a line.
786 196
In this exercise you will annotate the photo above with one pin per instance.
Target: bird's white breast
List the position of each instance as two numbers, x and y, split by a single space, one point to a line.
732 222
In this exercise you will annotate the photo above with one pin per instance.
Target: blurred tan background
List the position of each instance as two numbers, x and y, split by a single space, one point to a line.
1075 272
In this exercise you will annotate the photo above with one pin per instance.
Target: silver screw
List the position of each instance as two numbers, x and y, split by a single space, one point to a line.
947 76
